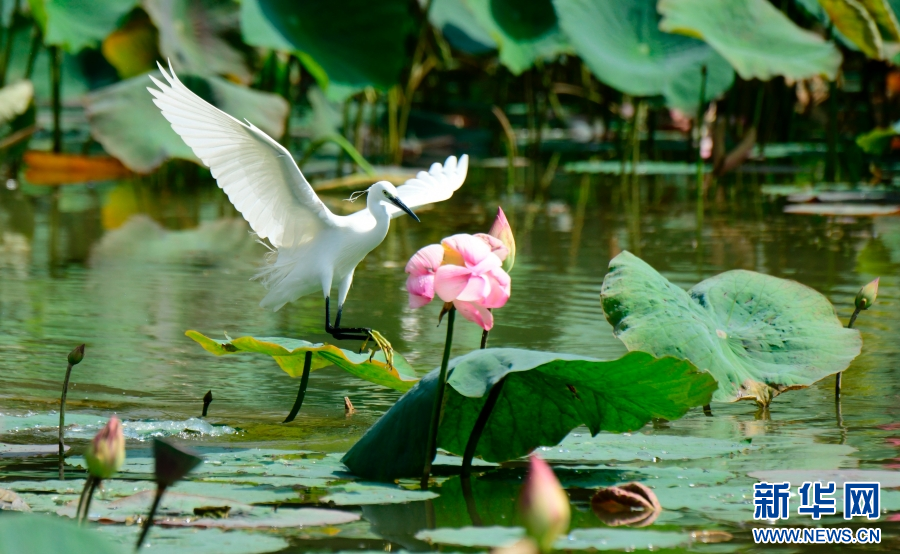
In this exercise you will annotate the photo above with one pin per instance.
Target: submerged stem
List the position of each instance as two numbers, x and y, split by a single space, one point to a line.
480 424
431 444
304 381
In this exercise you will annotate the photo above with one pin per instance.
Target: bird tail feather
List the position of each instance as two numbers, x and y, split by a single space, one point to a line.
287 277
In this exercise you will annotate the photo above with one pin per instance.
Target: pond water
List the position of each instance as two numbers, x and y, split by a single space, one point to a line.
91 264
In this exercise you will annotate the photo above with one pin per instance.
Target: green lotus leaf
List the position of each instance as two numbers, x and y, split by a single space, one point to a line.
885 18
643 168
877 140
756 37
758 335
458 25
854 22
544 396
43 533
622 45
522 34
124 119
75 24
577 539
196 36
290 355
355 42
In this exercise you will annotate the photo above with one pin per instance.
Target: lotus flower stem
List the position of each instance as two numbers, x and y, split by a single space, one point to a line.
84 492
160 489
837 378
701 103
74 358
207 400
431 444
89 486
863 301
304 382
480 424
484 336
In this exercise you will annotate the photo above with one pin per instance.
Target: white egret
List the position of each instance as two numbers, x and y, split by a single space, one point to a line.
313 248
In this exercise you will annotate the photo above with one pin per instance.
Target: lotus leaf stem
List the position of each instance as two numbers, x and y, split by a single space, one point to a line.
480 424
160 489
699 124
56 82
90 486
471 507
304 382
431 444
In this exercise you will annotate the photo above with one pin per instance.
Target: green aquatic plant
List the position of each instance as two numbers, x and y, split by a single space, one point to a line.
104 457
758 335
298 358
74 358
863 301
545 396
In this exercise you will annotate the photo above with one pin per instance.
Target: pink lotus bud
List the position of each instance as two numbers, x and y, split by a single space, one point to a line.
866 295
501 230
106 453
543 505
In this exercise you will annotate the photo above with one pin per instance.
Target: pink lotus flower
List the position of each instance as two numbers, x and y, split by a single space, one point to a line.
543 504
464 270
421 268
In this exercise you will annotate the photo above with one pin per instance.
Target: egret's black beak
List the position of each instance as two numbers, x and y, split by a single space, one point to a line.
399 203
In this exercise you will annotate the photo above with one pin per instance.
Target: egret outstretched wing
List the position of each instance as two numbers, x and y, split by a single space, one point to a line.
259 175
427 187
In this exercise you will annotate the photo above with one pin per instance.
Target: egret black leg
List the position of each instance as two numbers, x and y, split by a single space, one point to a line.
343 333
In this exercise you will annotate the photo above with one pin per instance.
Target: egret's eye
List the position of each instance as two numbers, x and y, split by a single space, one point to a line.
386 193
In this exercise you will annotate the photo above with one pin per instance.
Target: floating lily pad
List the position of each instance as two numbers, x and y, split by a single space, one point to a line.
643 168
758 335
565 391
180 510
577 539
356 494
888 479
11 501
637 446
623 46
207 541
290 355
837 209
21 450
754 36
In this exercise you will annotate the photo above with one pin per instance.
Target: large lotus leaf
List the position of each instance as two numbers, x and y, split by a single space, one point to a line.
882 13
291 353
124 119
132 49
27 533
458 25
195 35
544 396
622 45
521 32
355 42
76 24
756 37
758 335
852 19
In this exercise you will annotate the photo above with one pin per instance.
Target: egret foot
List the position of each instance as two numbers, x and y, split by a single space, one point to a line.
357 333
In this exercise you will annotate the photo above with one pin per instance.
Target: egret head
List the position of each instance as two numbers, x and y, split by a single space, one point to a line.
383 191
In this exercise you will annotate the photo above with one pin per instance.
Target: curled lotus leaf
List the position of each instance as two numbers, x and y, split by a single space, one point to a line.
758 335
290 355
